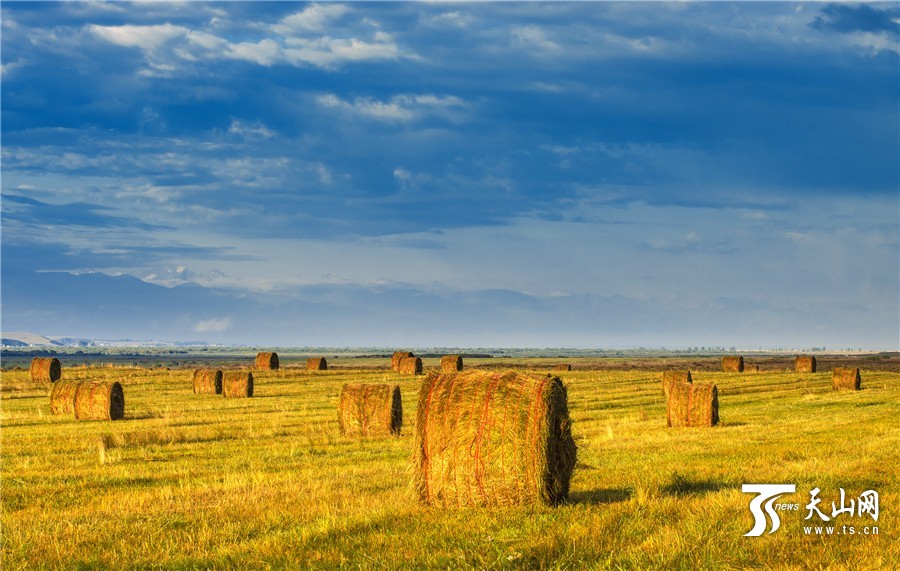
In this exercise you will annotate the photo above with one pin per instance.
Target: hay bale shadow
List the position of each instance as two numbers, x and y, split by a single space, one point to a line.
600 496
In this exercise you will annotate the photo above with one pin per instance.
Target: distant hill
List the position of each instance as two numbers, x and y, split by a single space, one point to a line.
22 339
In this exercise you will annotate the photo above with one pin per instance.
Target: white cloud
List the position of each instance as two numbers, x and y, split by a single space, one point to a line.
251 131
265 52
457 19
533 36
147 38
313 18
213 325
403 107
327 52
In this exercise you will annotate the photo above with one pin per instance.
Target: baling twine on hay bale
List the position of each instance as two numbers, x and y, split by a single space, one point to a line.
45 370
267 361
692 404
207 382
492 439
845 379
671 377
451 363
395 358
370 409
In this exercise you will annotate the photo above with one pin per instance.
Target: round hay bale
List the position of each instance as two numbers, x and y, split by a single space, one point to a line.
207 382
805 364
316 364
492 439
45 370
563 367
692 404
669 378
451 363
267 361
62 397
410 366
237 384
733 364
751 368
395 358
370 410
99 400
845 379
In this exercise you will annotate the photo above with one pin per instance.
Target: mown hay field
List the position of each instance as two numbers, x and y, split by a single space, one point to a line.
200 481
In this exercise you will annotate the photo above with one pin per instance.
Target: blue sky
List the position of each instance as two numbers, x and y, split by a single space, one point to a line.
551 174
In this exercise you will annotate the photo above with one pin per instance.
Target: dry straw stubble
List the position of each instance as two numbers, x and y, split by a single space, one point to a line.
451 363
45 369
207 382
845 379
267 361
370 410
492 439
692 404
237 384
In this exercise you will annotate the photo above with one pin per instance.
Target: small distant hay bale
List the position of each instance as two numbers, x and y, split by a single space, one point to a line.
45 370
492 439
99 400
410 366
805 364
62 397
563 367
267 361
207 382
751 368
237 384
669 378
692 404
451 363
845 379
316 364
733 364
370 410
395 358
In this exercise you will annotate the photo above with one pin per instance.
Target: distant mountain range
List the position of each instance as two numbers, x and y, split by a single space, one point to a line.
81 309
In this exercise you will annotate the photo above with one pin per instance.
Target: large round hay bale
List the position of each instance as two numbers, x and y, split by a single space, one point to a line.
733 364
237 384
451 363
45 369
845 379
207 382
62 397
563 367
316 364
395 358
492 439
267 361
669 378
805 364
692 404
370 410
99 400
410 366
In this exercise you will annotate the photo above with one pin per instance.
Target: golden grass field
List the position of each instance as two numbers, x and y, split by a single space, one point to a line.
200 482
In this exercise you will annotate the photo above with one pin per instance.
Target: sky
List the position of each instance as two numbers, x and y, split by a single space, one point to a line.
587 174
